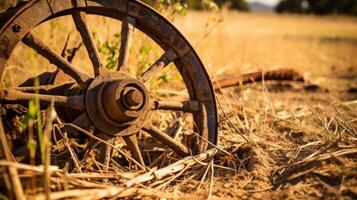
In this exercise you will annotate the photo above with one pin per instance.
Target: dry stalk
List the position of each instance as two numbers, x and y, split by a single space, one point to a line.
211 181
15 185
230 121
343 122
73 155
167 151
322 123
285 175
100 175
50 117
178 166
107 143
20 166
172 178
109 192
210 143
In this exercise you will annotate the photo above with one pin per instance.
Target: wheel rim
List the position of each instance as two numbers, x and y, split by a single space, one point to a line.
133 14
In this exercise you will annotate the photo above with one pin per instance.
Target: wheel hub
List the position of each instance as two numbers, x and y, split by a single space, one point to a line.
117 104
133 98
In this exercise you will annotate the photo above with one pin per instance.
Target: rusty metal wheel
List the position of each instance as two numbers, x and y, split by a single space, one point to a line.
115 103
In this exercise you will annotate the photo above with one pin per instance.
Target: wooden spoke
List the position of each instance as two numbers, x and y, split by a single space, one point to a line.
168 57
132 143
126 36
80 21
17 97
184 106
107 154
82 121
38 45
43 89
179 148
106 150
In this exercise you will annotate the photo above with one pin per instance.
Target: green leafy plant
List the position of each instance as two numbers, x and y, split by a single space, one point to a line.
146 52
34 114
109 50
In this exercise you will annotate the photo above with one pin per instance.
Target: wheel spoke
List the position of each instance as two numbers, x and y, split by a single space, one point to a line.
43 89
82 121
179 148
184 106
80 21
38 45
168 57
17 97
126 36
132 143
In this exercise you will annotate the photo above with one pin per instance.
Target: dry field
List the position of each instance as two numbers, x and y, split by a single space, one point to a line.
285 140
286 123
322 48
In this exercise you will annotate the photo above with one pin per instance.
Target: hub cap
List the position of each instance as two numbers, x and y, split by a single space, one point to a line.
117 104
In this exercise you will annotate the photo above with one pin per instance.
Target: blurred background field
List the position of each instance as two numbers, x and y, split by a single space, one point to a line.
322 48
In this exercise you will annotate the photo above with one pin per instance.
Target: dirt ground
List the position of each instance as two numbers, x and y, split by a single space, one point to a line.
287 122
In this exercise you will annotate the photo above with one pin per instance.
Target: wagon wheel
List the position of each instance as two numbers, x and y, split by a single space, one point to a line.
115 103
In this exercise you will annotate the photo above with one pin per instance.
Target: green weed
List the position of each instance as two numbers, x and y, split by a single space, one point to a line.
34 114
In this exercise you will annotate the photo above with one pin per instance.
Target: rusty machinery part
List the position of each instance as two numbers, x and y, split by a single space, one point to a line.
126 103
273 75
114 102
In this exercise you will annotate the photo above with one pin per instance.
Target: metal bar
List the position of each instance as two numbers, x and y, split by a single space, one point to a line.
184 106
278 75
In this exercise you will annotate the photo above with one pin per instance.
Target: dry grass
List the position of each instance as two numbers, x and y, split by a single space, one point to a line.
323 48
286 124
301 141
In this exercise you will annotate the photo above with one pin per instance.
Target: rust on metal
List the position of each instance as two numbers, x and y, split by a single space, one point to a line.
278 75
134 98
185 106
115 103
107 105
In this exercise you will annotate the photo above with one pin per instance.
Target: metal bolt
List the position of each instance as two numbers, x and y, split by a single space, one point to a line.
16 28
134 98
